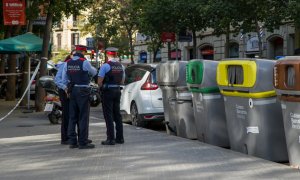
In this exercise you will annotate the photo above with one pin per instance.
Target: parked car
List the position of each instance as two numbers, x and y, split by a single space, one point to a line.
141 99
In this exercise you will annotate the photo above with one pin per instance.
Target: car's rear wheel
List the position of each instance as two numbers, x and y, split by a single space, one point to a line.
136 118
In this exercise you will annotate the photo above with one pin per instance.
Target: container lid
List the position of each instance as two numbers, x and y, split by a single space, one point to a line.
201 76
251 78
237 73
194 72
287 75
171 73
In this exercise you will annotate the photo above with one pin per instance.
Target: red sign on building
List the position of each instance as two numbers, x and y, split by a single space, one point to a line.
14 12
168 37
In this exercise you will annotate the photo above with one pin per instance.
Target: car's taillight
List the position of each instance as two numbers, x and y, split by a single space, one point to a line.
149 86
33 82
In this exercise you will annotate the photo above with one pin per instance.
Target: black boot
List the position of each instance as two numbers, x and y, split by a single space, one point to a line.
120 141
108 142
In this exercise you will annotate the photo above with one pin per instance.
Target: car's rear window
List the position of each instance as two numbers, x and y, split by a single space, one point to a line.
133 75
153 75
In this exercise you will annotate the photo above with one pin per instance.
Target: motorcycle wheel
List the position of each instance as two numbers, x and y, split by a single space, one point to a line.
54 119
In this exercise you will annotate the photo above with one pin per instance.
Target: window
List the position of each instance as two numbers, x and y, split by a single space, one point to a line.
74 38
158 56
90 42
59 41
234 50
291 76
235 74
74 21
133 75
153 77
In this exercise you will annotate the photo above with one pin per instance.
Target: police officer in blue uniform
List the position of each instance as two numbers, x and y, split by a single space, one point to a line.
76 78
110 77
63 99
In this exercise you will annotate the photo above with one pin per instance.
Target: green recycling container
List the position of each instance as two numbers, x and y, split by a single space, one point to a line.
208 103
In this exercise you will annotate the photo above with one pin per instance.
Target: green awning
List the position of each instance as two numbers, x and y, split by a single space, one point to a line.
27 42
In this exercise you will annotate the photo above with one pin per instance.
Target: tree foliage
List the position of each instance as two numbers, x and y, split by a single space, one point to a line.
158 16
114 22
293 11
55 10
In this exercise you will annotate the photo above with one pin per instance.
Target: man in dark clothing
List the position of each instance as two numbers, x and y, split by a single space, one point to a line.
76 73
110 77
63 99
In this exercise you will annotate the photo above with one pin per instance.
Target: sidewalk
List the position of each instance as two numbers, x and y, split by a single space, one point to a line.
32 151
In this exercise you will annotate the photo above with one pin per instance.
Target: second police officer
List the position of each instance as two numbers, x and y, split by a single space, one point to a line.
76 73
63 99
110 77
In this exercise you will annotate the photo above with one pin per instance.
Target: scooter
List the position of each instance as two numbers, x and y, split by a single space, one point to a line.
53 106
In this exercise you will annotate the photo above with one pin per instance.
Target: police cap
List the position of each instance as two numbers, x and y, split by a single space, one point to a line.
111 50
80 48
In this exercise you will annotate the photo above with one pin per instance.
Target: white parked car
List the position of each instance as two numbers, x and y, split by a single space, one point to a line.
141 99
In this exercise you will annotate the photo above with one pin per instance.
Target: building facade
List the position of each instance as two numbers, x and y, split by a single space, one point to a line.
67 34
274 44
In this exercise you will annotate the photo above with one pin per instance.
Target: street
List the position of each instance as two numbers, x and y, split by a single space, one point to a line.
30 149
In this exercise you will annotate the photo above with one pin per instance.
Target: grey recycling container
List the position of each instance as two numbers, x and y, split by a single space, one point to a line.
185 122
166 79
208 103
287 85
253 112
171 79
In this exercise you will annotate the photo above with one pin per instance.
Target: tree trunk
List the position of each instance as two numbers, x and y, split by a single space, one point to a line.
259 40
131 46
11 80
154 55
169 50
7 34
2 64
194 44
30 26
227 39
40 92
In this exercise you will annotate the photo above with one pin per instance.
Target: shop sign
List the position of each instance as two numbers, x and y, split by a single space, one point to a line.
185 36
168 37
143 56
207 52
41 20
253 44
14 12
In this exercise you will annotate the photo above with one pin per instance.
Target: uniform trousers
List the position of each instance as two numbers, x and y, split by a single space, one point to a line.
79 114
111 111
65 115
